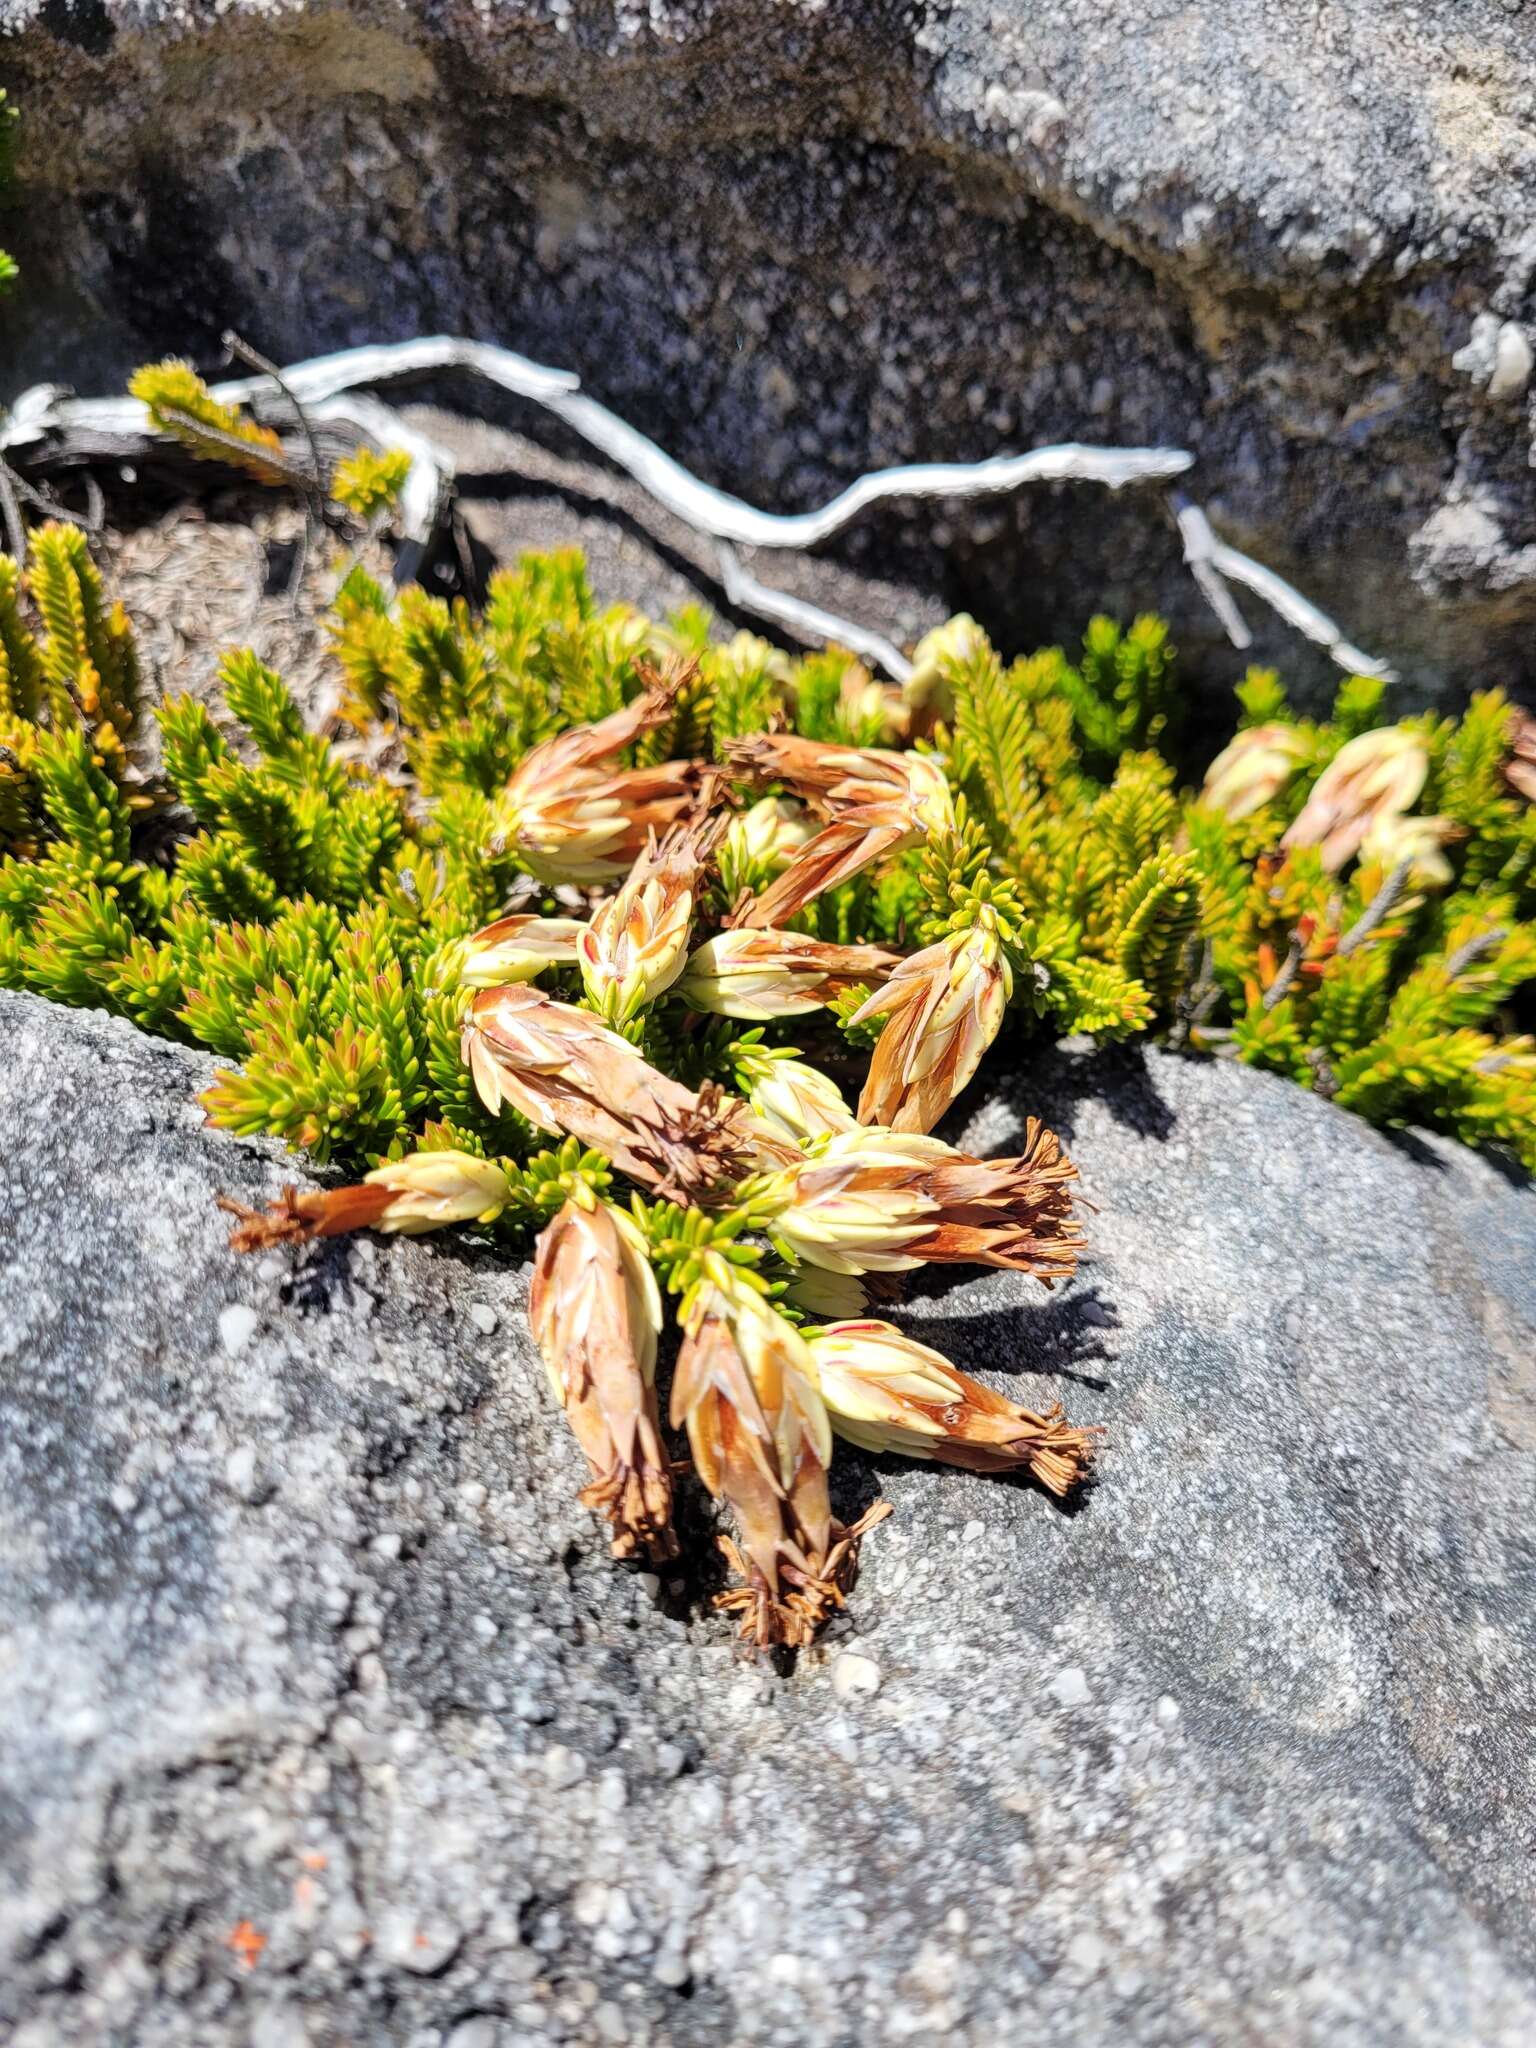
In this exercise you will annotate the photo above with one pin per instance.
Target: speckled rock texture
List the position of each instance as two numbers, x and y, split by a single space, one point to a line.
796 240
324 1718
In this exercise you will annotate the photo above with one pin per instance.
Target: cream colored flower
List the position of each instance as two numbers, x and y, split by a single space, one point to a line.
424 1191
1377 776
595 1313
930 687
1520 767
876 802
758 1430
887 1392
636 944
518 949
1253 769
756 974
877 1201
572 819
945 1006
789 1095
1421 842
816 1292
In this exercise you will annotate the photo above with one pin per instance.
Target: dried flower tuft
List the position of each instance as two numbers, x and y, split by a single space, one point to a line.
636 943
574 820
424 1191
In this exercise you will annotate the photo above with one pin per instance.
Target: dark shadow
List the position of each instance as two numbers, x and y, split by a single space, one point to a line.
1061 1336
1048 1081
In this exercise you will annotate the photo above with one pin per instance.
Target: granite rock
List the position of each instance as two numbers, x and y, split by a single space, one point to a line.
796 241
324 1717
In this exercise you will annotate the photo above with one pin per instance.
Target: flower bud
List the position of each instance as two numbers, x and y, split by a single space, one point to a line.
758 974
945 1006
930 687
789 1095
637 942
887 1392
1253 769
518 949
595 1313
1375 776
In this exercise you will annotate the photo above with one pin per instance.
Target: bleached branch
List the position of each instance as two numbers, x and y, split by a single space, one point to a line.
809 621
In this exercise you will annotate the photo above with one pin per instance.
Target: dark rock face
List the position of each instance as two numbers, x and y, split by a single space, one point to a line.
323 1716
796 241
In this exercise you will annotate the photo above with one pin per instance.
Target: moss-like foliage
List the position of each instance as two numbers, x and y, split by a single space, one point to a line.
295 904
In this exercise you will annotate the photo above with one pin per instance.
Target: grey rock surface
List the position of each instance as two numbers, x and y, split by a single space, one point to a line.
324 1718
795 241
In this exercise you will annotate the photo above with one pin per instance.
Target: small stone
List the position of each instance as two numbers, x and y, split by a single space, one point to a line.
1071 1687
1167 1711
973 1532
238 1324
484 1318
563 1767
476 2033
854 1676
240 1474
1512 362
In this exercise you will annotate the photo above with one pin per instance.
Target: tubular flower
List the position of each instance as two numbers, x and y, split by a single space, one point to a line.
595 1313
881 1202
1253 769
745 1392
637 942
424 1191
888 1393
518 949
758 974
790 1096
1377 776
574 820
876 803
945 1007
567 1073
1421 842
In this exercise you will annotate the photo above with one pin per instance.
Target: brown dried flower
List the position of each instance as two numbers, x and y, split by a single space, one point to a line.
761 1442
945 1006
876 803
595 1313
574 819
878 1201
569 1074
1520 768
424 1191
887 1392
637 942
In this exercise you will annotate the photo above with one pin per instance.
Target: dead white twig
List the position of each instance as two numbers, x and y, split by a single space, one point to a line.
1210 561
807 620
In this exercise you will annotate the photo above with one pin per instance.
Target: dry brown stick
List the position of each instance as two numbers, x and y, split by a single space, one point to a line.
255 360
